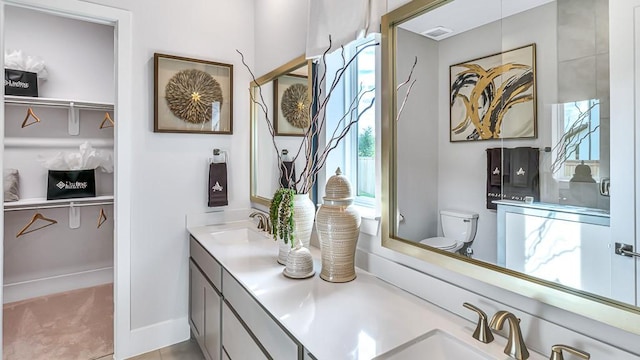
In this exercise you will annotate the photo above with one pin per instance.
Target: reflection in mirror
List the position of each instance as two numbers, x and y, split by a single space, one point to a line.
501 155
276 88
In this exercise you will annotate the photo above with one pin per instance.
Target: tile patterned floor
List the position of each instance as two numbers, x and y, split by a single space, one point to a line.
186 350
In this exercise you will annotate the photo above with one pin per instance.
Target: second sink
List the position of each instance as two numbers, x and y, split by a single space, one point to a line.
439 345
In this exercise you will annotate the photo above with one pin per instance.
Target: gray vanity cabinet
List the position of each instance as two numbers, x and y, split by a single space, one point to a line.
268 334
205 301
226 320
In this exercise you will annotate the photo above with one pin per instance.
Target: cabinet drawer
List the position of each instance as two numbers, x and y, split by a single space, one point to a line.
272 337
206 262
236 341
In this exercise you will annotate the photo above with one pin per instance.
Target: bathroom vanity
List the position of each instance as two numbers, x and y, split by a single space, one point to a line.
243 307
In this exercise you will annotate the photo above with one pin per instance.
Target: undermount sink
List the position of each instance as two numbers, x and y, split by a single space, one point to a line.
435 345
238 235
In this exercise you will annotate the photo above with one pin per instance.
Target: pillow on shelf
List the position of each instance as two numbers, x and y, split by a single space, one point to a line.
11 185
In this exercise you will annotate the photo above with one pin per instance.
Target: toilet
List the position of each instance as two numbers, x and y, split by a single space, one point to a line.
458 227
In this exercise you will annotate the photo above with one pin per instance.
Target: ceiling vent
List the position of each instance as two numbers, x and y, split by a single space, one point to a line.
437 32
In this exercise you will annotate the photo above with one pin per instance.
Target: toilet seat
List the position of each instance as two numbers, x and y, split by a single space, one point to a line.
442 243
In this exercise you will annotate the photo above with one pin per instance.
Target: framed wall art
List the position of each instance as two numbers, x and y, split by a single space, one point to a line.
192 95
291 102
494 97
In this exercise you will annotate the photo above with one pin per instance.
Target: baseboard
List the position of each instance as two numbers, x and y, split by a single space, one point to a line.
156 336
56 284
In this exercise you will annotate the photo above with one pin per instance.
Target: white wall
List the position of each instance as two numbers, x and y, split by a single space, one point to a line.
280 36
169 170
280 32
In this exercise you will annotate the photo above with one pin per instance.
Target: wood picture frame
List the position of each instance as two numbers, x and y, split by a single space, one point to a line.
281 124
192 95
494 97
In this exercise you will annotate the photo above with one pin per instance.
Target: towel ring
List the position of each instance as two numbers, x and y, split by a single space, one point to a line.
218 153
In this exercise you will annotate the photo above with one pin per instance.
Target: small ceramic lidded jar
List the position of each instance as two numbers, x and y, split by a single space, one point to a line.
338 227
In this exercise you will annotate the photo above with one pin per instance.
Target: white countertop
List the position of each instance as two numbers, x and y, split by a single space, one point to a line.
360 319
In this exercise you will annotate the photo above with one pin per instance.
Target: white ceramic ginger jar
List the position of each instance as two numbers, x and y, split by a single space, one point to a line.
338 227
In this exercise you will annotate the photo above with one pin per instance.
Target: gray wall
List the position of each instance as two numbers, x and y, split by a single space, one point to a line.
417 156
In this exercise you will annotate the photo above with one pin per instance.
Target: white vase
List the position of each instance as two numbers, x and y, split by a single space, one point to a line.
338 225
283 251
303 215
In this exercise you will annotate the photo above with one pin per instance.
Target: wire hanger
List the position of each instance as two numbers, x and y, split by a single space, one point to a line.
37 216
30 113
107 122
102 217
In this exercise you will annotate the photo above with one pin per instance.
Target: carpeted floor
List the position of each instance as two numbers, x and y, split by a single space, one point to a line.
74 325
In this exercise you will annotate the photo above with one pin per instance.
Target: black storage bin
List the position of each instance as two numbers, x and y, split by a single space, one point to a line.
21 83
68 184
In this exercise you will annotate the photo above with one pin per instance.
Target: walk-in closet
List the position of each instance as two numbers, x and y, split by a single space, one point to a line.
58 231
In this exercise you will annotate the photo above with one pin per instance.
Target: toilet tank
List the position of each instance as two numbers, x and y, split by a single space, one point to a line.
459 225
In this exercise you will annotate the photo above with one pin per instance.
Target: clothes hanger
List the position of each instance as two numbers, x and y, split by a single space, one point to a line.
107 122
34 218
102 218
30 113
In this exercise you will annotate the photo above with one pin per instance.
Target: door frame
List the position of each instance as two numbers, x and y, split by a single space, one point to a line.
121 20
624 133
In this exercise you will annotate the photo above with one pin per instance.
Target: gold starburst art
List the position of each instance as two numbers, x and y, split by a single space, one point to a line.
192 95
295 105
291 102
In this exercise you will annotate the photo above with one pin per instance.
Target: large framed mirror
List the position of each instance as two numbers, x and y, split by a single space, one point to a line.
500 163
272 90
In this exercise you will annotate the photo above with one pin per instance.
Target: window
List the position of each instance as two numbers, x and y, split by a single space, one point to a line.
578 138
361 148
354 97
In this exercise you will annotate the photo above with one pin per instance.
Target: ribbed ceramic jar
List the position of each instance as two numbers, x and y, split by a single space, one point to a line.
338 227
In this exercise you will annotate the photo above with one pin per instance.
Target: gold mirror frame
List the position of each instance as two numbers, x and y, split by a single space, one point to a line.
253 128
620 315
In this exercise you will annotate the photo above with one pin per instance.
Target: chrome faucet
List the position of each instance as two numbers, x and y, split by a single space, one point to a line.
515 344
263 221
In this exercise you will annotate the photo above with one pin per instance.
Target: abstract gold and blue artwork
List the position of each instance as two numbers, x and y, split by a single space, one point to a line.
494 97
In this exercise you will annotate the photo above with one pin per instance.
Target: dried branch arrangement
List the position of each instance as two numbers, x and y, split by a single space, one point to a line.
573 136
315 160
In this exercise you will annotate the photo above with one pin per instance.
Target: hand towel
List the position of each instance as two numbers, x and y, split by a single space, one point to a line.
521 171
288 175
218 184
494 181
495 166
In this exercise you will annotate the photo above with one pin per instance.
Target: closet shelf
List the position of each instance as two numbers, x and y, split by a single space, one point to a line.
42 203
61 103
33 142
